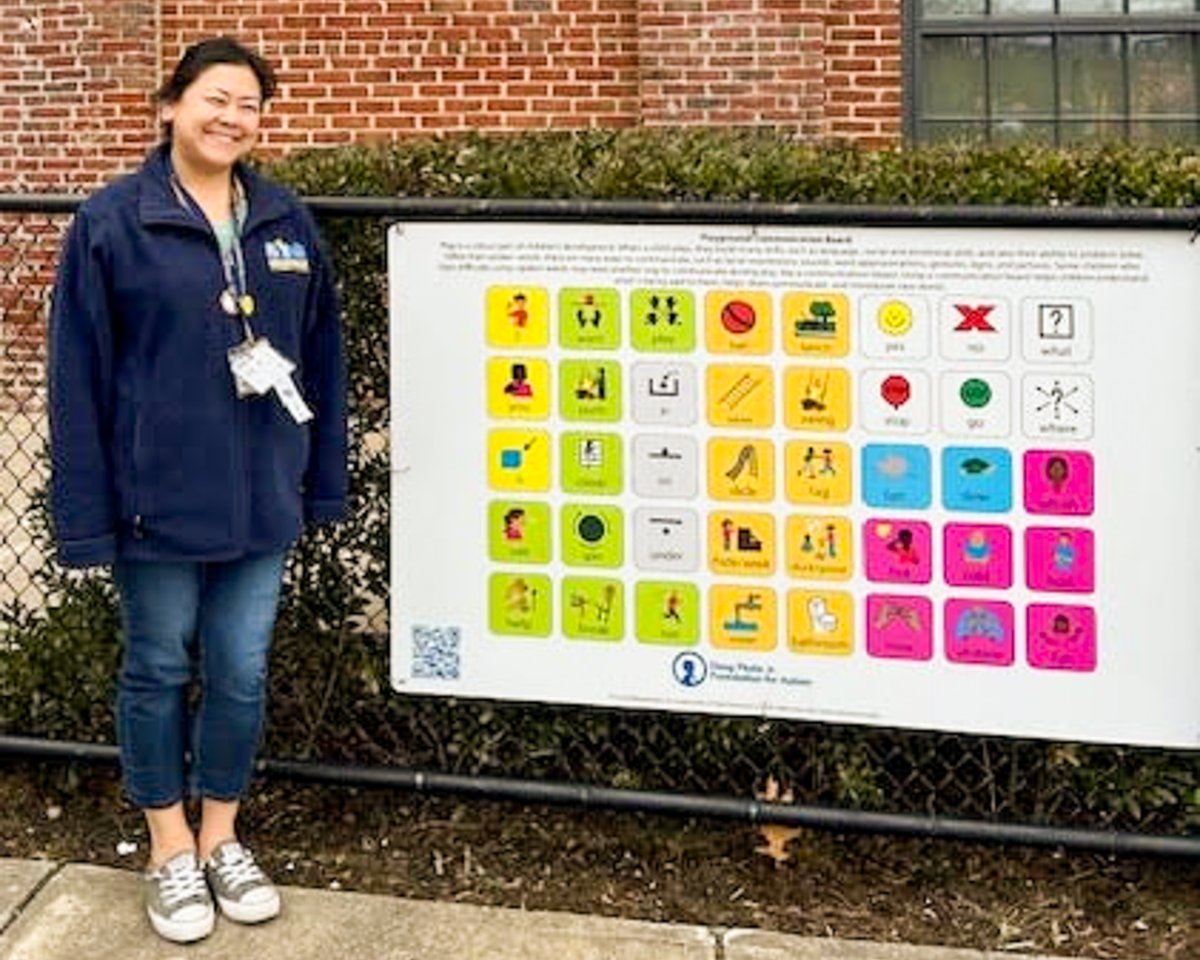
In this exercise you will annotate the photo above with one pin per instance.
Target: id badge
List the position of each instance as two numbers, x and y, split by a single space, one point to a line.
257 366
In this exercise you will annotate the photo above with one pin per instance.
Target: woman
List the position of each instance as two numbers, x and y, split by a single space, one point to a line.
197 415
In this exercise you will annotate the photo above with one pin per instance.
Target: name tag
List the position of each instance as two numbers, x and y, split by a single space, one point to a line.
259 368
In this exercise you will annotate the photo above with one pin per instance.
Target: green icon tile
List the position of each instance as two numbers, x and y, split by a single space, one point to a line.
667 612
592 535
663 321
518 532
589 318
591 462
591 390
520 604
593 608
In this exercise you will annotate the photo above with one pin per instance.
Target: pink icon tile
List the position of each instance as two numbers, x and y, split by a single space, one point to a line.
1060 559
1061 637
899 628
978 555
979 631
1060 482
898 551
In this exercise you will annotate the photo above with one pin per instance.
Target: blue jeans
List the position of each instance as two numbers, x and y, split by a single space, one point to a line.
180 619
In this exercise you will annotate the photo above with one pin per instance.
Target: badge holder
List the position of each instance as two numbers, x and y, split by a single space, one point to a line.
258 368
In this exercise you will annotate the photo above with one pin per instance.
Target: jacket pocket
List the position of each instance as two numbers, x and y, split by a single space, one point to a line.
127 440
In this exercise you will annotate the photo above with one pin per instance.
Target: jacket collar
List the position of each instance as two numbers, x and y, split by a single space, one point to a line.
159 206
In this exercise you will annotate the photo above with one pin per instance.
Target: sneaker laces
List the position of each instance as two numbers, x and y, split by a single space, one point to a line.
179 881
236 866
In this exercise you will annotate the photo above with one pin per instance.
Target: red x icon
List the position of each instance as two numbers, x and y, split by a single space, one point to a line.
974 318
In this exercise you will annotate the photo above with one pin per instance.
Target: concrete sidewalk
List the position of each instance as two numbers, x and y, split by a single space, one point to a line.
52 911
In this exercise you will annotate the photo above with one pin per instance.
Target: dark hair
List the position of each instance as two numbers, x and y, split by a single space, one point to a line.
208 53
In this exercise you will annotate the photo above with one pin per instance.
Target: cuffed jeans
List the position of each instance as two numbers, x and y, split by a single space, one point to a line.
179 619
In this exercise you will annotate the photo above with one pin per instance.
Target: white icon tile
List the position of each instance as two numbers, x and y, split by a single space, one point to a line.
665 465
896 401
666 539
971 327
895 327
664 394
1056 329
1056 406
976 403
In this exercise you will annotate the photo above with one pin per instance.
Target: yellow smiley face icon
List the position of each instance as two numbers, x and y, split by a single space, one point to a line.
895 318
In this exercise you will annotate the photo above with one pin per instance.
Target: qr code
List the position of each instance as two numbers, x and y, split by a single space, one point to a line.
435 652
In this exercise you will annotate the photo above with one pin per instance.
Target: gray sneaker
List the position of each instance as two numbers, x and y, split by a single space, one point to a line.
177 900
243 891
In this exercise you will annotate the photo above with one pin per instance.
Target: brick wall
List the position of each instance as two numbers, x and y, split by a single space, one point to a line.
862 76
74 108
732 62
76 79
363 70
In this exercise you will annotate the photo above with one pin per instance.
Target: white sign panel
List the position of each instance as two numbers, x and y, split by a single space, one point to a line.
934 478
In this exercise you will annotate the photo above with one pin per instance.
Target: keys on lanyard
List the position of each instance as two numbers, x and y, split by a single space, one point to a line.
236 300
236 306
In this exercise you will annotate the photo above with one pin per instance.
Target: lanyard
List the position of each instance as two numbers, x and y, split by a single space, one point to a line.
236 299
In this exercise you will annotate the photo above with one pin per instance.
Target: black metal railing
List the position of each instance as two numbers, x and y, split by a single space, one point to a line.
1095 797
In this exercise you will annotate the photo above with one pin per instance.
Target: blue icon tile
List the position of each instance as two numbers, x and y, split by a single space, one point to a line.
897 476
977 479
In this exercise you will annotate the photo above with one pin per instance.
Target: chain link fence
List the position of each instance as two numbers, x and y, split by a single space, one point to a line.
330 697
28 243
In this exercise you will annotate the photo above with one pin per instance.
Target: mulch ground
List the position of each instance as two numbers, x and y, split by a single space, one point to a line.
709 872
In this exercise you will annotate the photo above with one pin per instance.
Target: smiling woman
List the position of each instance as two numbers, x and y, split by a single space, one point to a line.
197 395
211 108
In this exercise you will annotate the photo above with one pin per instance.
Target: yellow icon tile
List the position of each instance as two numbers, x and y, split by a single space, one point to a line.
741 395
738 321
518 388
821 621
518 460
816 323
818 472
742 618
741 543
816 398
741 468
819 547
518 317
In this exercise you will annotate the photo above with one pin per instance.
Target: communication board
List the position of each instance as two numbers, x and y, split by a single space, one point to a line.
936 477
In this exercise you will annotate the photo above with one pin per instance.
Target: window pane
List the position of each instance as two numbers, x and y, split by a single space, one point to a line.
952 78
1091 77
1006 7
1011 131
953 8
1022 77
1161 74
1090 132
1075 7
1173 131
953 132
1162 6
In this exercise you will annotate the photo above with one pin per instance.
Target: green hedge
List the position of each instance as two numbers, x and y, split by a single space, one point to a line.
330 697
746 166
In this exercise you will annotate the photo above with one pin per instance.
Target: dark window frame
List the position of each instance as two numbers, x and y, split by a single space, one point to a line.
987 27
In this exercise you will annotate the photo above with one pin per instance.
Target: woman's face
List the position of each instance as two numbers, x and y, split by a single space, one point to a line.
215 121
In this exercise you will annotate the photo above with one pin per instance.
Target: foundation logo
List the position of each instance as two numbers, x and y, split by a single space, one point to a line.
689 669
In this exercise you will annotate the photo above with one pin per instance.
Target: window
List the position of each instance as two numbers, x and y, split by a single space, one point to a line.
1054 71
